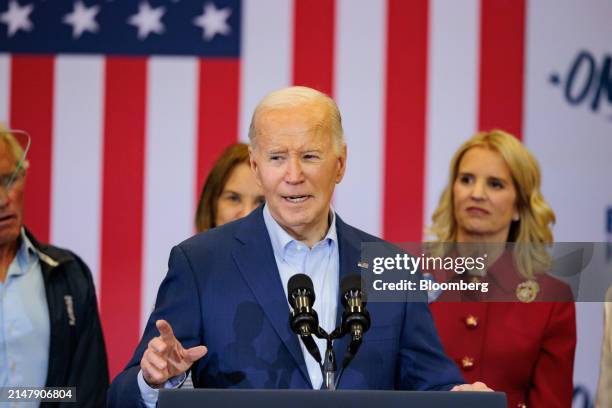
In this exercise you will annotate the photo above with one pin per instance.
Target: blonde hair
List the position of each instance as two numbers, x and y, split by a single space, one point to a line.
532 231
6 136
296 96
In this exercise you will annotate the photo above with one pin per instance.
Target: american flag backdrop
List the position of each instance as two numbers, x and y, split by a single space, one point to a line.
129 102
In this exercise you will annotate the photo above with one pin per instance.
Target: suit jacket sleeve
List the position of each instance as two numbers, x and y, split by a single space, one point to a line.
552 384
178 302
423 363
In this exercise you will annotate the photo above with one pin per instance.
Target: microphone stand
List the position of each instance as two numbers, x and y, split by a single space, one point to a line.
337 334
329 366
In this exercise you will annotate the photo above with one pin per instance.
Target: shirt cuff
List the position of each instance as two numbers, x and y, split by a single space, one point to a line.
149 395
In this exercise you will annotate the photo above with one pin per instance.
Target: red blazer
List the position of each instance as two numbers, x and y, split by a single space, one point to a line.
523 349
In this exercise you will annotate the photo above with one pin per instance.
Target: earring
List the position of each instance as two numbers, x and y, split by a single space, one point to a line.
516 217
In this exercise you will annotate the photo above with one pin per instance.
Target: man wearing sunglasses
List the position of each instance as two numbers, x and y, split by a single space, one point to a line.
50 333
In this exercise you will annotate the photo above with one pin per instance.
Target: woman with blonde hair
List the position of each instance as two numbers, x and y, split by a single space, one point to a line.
522 339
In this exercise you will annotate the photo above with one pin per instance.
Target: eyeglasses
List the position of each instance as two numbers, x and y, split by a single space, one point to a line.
8 181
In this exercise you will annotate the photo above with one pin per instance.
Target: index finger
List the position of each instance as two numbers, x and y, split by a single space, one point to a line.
165 331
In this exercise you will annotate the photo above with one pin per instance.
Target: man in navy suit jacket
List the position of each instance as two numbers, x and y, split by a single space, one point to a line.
224 287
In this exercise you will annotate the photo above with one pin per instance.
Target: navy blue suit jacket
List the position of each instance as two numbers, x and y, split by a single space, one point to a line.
223 290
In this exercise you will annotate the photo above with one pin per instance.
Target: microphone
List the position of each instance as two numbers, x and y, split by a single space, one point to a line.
355 318
303 319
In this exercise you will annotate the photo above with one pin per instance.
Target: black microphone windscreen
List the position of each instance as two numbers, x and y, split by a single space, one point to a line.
350 282
300 281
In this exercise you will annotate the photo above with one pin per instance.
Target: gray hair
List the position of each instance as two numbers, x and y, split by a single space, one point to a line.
295 96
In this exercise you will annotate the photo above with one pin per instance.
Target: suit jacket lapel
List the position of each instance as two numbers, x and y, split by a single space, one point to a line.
255 260
349 253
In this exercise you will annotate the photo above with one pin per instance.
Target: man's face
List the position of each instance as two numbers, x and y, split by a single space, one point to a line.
296 165
11 201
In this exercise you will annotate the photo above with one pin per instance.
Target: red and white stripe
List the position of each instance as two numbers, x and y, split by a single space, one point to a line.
170 179
77 157
359 89
452 89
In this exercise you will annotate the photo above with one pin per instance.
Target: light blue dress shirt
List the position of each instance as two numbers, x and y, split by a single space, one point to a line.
24 321
321 263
